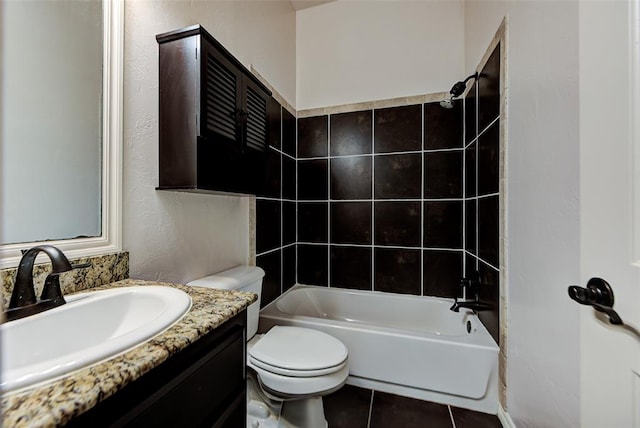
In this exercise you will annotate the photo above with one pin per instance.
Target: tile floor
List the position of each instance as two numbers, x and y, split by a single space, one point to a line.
353 407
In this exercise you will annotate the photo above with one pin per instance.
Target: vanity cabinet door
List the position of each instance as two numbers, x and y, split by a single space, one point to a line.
200 395
202 386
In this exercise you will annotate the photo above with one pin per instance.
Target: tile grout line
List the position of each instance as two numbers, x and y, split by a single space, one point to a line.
373 154
267 198
464 192
486 128
281 150
488 195
273 250
306 201
281 210
390 247
329 201
296 188
370 410
422 186
475 190
487 263
453 422
372 283
478 135
477 154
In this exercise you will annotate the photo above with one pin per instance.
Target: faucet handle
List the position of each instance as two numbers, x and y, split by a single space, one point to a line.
471 283
51 289
81 265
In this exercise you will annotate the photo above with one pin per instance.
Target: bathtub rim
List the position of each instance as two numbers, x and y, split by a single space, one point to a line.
480 339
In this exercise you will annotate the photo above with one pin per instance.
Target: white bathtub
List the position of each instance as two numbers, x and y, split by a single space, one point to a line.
408 345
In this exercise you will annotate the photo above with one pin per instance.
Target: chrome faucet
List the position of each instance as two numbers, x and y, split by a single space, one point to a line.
470 287
23 298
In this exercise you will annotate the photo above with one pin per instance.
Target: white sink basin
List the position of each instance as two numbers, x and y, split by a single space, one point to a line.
91 327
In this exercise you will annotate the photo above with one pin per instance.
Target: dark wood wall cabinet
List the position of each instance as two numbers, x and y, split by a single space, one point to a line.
213 117
204 385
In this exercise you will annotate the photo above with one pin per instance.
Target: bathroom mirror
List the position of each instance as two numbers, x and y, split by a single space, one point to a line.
634 111
60 126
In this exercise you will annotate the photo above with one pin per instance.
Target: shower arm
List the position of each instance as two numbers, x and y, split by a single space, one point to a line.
459 87
457 90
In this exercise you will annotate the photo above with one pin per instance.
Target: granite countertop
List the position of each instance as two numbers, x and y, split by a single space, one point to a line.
57 402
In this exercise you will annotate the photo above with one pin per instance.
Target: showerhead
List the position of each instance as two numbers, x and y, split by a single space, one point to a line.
448 103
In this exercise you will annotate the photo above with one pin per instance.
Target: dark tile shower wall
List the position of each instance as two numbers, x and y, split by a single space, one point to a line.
276 206
380 200
402 199
482 175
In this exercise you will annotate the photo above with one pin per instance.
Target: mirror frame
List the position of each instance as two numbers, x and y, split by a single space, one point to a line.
111 179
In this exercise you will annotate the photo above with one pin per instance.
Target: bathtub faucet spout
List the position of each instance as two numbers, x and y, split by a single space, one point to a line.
474 305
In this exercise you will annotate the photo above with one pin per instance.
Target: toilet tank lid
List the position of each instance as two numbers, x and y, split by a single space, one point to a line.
231 279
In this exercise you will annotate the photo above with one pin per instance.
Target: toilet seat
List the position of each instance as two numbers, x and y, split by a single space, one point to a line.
285 387
298 352
296 361
296 373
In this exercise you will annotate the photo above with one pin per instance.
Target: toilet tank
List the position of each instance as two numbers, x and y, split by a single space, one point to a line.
240 278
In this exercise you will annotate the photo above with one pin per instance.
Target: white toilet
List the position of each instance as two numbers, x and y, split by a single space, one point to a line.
293 365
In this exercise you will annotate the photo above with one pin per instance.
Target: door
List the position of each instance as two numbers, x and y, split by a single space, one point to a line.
610 210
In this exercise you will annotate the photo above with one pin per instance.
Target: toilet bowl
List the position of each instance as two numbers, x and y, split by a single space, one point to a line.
294 366
295 362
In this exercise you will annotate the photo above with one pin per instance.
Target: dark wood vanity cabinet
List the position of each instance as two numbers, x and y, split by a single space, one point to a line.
204 385
213 117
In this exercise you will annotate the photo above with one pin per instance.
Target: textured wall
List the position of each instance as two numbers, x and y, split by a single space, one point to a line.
543 207
355 51
177 236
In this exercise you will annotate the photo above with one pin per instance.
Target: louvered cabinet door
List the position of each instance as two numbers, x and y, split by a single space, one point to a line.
221 109
255 105
255 137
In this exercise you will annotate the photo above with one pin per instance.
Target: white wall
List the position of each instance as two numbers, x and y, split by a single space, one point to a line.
50 119
355 51
177 236
610 363
543 210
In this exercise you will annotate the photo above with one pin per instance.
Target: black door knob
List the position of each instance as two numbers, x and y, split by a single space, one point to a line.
597 293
